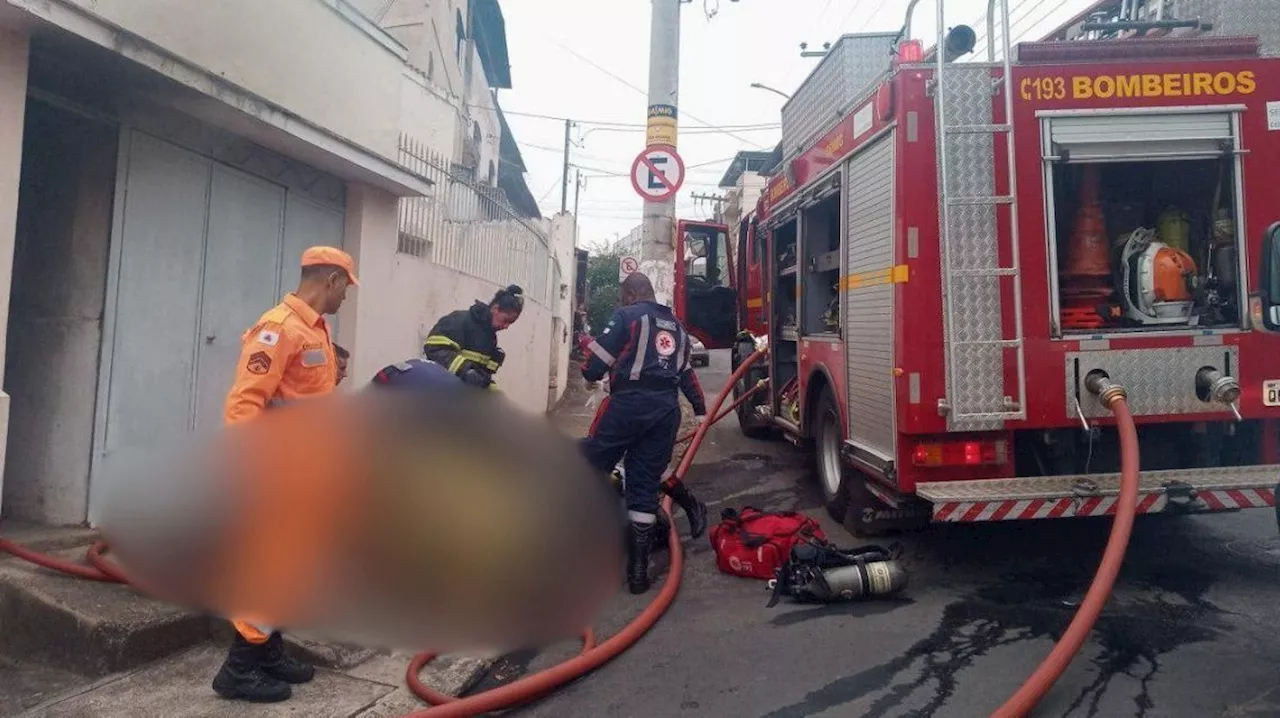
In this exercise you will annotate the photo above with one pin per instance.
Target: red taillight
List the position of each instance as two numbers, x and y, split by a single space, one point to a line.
961 453
910 51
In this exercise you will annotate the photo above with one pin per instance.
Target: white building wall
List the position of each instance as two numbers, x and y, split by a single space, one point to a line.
428 114
319 59
13 97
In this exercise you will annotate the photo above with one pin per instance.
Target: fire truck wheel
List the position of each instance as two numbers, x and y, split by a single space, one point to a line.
832 474
848 499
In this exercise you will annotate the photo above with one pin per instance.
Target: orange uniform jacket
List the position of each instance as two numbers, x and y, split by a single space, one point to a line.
287 355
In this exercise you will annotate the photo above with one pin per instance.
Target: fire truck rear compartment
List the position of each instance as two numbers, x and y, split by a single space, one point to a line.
1144 245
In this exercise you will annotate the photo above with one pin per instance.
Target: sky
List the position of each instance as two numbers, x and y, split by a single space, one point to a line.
587 60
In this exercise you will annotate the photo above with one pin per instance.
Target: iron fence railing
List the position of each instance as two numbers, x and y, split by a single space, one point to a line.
470 227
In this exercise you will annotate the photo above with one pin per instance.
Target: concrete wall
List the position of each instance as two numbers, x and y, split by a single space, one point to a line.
55 321
428 30
427 115
13 102
563 234
304 55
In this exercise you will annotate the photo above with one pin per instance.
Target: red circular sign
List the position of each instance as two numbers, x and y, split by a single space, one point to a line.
657 174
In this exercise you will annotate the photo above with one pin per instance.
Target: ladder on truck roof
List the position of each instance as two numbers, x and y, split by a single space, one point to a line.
976 340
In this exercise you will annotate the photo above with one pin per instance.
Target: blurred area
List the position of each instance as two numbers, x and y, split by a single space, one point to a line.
410 523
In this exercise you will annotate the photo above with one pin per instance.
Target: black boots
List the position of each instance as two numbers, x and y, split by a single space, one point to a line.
260 672
638 549
693 508
279 665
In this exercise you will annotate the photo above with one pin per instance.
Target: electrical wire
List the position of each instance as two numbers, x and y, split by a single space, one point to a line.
559 181
872 15
626 83
614 123
1017 17
852 9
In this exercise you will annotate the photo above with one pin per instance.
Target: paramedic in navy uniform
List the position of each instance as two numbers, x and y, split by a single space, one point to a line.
645 352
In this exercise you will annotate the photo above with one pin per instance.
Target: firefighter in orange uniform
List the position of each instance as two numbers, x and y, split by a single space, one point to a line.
287 355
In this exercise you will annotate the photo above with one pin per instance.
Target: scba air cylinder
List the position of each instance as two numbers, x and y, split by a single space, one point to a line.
874 579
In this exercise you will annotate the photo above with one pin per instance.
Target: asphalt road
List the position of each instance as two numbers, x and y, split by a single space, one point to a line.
1190 630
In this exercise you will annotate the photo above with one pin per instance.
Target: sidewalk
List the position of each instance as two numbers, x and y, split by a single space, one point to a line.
178 687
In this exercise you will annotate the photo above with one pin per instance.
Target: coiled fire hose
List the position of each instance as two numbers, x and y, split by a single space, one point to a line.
1112 396
518 692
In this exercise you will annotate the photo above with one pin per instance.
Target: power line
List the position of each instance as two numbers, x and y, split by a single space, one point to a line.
700 130
872 15
608 72
550 189
612 126
843 20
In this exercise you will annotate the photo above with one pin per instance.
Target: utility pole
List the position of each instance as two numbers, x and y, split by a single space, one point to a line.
714 199
577 193
564 185
657 250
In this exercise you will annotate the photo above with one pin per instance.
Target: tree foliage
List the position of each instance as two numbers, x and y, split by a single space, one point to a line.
603 288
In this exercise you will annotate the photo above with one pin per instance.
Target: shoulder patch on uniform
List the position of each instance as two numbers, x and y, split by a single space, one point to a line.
259 363
268 337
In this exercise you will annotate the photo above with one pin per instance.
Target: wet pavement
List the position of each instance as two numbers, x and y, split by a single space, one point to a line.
1190 630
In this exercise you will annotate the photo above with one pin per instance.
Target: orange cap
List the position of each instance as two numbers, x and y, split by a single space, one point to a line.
331 256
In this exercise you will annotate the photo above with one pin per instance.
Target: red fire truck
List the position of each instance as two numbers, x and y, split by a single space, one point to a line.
937 273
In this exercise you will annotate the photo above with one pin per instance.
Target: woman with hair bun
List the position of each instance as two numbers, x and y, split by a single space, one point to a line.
466 341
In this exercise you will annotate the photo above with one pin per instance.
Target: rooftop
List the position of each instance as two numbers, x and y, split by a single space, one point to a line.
745 161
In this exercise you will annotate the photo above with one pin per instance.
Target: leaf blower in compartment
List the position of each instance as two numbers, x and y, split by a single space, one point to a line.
1087 279
1157 281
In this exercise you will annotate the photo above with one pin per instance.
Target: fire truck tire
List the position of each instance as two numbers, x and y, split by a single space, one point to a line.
844 489
828 437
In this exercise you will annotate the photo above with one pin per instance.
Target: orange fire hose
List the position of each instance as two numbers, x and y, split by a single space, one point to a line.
1053 666
525 689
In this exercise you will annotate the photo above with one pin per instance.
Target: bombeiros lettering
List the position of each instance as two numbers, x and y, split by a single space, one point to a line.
1139 86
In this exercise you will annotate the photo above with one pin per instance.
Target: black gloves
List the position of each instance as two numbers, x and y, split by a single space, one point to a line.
474 377
499 356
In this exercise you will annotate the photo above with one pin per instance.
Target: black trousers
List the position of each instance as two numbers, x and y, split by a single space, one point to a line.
638 428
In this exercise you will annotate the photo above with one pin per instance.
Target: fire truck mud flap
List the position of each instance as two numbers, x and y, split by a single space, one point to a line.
1052 497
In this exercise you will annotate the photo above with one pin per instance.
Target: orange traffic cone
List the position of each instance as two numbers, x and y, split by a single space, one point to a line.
1086 279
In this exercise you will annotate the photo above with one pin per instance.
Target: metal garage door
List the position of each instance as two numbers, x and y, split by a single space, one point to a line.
200 250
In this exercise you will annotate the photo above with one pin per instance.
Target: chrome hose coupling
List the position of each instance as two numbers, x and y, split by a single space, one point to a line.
1100 385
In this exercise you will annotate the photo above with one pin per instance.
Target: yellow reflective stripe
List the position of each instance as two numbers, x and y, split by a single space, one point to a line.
483 359
439 340
456 365
896 274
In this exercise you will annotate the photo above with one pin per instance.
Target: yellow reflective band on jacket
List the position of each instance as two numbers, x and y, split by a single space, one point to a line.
482 359
464 355
455 366
439 340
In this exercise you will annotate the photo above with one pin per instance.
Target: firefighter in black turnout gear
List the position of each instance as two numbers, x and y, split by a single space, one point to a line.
466 341
645 352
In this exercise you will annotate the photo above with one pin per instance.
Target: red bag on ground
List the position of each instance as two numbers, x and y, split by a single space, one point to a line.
752 543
